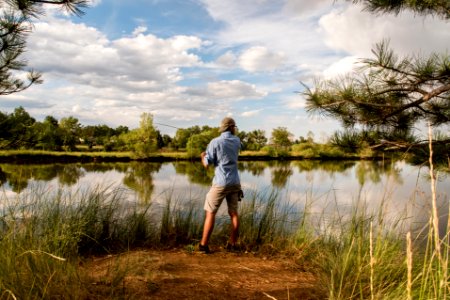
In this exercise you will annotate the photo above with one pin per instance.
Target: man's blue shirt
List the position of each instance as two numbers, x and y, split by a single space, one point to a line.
222 152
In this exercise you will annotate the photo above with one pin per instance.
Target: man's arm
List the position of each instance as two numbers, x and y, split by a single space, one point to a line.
204 162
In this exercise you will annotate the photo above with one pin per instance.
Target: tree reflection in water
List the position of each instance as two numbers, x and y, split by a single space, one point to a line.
195 172
138 177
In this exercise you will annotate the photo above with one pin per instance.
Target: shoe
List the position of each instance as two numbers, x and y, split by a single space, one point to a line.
204 249
233 248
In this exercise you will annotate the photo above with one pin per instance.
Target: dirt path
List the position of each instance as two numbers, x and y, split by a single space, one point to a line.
179 274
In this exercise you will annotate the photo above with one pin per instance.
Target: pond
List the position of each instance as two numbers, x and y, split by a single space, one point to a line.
324 188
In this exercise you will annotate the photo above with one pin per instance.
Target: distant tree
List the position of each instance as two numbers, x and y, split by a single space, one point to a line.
243 136
163 140
121 129
143 141
71 129
48 135
15 25
310 137
256 140
198 142
96 134
16 129
281 137
182 136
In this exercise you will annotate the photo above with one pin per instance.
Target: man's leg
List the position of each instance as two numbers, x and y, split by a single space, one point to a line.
234 228
208 227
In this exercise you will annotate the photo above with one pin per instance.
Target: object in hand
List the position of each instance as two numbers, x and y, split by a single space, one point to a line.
241 194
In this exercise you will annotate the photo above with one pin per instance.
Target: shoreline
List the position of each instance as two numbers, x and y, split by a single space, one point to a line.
18 157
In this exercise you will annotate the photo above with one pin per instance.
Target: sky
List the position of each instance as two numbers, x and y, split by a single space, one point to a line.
193 62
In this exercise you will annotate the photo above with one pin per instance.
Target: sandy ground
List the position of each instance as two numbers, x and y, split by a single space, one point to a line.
179 274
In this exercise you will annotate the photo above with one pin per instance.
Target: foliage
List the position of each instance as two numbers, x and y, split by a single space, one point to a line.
15 129
70 132
314 150
439 8
197 143
253 140
15 25
391 98
143 141
281 140
390 95
183 135
281 137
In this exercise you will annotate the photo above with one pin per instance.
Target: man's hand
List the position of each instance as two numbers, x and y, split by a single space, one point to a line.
204 163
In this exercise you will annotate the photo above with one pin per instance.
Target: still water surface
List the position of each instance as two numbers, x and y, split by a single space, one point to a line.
325 188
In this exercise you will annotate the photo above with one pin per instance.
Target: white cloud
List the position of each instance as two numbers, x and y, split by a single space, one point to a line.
227 60
298 8
62 47
355 31
250 113
342 67
265 48
258 58
93 3
234 90
139 30
294 102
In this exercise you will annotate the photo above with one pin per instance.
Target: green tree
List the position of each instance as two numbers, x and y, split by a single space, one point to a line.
281 137
390 95
48 135
17 129
197 143
182 136
256 140
281 141
143 141
70 129
15 24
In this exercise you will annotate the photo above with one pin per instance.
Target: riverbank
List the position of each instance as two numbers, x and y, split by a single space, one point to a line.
92 244
179 274
35 156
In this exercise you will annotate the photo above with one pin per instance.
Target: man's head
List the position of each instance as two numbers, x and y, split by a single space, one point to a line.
227 124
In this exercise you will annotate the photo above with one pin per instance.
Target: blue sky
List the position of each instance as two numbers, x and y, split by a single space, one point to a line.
193 62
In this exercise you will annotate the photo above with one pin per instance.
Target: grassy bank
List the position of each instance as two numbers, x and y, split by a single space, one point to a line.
38 156
47 233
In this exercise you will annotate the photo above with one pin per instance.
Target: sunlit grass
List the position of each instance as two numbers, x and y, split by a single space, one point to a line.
46 234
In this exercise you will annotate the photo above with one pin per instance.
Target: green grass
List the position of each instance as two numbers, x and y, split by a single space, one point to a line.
46 233
306 151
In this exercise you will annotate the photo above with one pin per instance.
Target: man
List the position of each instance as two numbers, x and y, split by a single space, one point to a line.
222 152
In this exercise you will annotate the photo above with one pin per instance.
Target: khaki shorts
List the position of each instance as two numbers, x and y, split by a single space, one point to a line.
216 195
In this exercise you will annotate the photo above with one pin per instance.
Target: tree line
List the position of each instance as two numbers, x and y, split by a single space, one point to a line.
19 130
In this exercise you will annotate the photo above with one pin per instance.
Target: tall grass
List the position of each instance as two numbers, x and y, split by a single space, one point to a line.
365 257
45 233
265 224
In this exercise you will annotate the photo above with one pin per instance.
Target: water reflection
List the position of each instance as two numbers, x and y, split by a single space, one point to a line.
195 172
327 187
348 179
281 173
138 177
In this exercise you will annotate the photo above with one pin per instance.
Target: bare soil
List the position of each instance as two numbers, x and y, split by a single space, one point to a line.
179 274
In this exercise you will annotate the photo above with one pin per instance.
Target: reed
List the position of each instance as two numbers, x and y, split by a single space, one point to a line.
45 234
267 225
367 258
